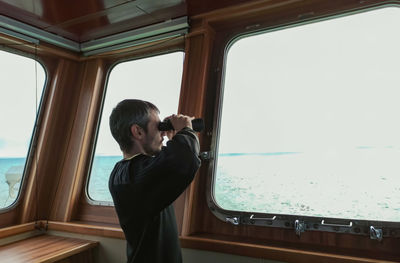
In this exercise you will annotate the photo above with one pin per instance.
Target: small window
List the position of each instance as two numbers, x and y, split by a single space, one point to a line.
310 121
156 79
22 81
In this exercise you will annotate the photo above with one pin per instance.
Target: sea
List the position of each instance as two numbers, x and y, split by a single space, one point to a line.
358 184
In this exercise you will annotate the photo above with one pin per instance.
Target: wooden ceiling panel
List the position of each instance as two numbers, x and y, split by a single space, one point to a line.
89 30
103 23
55 12
196 7
153 6
86 20
164 10
26 15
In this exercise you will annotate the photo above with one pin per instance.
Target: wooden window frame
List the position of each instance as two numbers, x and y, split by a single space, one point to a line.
12 214
88 210
201 229
345 225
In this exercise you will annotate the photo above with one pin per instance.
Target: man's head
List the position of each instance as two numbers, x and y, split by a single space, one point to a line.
136 122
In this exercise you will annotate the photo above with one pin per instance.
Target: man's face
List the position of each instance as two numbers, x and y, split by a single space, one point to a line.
153 139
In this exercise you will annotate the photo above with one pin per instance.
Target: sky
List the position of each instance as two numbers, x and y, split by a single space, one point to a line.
332 84
155 79
18 102
133 79
327 84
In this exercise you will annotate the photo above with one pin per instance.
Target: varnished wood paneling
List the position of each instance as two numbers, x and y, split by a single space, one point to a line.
192 100
72 179
290 255
96 213
199 7
10 217
56 125
17 229
86 228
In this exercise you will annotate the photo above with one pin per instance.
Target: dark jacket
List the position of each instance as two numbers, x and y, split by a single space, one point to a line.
143 189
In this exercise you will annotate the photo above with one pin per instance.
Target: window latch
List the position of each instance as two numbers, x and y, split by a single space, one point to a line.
375 233
206 156
233 220
299 227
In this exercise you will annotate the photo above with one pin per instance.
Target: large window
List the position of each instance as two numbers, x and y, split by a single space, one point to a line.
156 79
310 120
22 81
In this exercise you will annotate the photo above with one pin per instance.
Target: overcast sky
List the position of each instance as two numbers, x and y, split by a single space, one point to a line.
155 79
333 83
18 102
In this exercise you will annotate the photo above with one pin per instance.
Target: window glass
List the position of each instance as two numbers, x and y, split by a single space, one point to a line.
22 81
310 120
156 79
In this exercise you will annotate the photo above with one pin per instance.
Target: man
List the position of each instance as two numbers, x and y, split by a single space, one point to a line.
150 177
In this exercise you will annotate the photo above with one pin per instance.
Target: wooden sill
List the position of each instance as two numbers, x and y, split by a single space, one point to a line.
45 248
271 252
204 242
84 228
18 229
81 228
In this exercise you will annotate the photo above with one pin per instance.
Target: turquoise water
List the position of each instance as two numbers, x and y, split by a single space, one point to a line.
98 181
358 184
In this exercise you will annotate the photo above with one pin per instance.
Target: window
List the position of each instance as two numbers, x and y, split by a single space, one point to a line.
309 121
156 79
22 81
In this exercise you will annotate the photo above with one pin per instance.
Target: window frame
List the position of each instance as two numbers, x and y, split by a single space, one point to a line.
297 223
90 201
201 228
32 147
81 209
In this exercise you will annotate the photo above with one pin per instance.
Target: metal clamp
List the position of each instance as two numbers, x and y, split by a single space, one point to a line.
336 225
375 233
232 220
262 218
299 227
206 156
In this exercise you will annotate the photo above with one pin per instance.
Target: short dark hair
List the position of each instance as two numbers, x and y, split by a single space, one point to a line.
124 115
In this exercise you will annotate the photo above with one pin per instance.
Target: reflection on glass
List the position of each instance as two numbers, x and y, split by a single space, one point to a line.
318 112
156 79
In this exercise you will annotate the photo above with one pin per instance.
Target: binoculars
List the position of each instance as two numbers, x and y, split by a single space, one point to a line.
197 124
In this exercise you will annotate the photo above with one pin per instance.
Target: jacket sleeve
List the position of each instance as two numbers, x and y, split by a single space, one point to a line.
169 173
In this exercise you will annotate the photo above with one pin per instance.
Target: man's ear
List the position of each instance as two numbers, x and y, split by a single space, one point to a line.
137 131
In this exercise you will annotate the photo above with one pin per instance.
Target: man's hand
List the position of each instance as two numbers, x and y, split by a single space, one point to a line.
178 122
